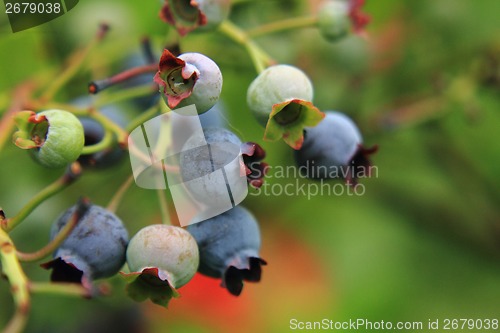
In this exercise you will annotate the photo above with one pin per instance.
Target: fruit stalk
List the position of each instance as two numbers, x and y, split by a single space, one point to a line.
59 288
74 66
83 206
106 142
19 283
259 57
60 184
283 25
117 198
99 85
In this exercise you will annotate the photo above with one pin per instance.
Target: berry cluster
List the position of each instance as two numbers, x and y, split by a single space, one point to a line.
90 242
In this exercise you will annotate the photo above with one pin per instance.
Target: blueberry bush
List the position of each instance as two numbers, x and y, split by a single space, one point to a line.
367 132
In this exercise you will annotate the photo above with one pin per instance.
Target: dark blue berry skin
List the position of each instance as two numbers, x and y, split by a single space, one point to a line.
333 149
94 249
229 247
199 161
182 130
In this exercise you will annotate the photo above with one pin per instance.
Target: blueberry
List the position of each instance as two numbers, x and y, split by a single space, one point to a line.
94 249
277 84
333 20
182 129
280 98
333 149
54 137
161 259
229 247
172 250
201 164
191 78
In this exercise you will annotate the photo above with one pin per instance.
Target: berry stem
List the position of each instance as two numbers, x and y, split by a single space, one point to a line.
99 85
60 184
60 288
162 200
259 57
120 193
146 159
106 142
12 269
283 25
75 64
109 125
126 94
83 206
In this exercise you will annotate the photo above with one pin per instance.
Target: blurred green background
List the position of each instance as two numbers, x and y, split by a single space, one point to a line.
422 243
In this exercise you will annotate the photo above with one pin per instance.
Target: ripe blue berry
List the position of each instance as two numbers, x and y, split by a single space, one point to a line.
191 78
229 248
94 249
333 149
201 164
183 127
161 259
55 137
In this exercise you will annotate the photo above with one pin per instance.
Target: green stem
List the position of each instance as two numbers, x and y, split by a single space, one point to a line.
259 57
283 25
39 106
60 184
108 124
105 143
67 289
117 198
82 208
143 117
125 94
19 283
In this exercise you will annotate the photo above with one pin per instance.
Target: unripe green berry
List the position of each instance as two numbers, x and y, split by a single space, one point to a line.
170 249
277 84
